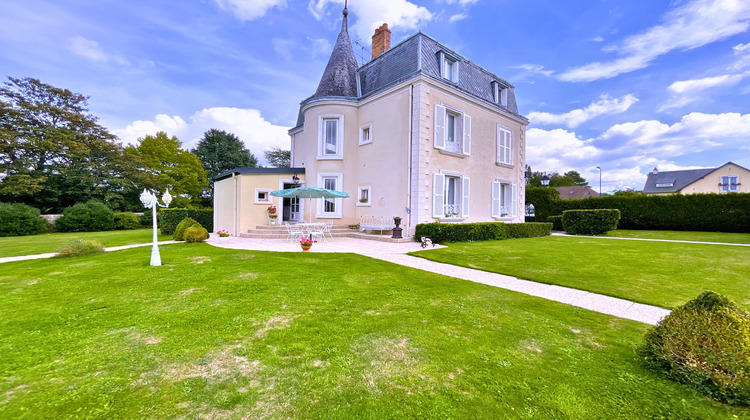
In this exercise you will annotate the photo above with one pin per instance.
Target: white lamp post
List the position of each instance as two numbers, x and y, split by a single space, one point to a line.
150 201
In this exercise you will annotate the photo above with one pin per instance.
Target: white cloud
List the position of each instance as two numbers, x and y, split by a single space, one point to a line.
462 2
457 17
283 47
576 117
742 51
683 86
689 26
319 46
249 9
87 49
558 150
530 71
247 124
400 15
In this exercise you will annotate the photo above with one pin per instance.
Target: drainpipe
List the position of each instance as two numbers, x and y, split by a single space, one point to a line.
236 207
409 164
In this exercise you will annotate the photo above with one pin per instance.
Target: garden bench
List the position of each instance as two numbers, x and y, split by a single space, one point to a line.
374 223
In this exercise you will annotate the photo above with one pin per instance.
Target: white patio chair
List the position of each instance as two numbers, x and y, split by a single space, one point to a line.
329 228
294 232
318 231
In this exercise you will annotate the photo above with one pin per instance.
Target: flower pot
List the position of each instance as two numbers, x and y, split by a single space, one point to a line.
223 239
271 211
306 248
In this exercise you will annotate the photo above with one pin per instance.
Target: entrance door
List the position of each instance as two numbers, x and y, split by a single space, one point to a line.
292 207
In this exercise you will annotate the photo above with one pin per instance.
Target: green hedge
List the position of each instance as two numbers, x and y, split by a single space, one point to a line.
469 232
696 212
92 216
20 219
556 222
169 218
126 221
590 222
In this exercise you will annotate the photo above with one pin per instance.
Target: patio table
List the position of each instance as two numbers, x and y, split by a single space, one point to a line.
311 227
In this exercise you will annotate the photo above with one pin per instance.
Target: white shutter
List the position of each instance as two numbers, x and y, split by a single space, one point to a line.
465 192
495 199
439 127
438 195
509 147
499 153
514 200
467 135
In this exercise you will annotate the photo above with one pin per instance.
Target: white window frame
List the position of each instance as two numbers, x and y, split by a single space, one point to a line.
336 214
727 186
322 155
504 150
504 209
267 191
500 93
446 62
368 203
461 146
365 128
462 196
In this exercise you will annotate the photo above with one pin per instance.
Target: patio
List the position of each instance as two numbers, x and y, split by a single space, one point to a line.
340 244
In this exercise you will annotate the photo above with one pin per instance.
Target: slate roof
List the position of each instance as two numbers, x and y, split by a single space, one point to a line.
678 179
577 191
417 55
255 171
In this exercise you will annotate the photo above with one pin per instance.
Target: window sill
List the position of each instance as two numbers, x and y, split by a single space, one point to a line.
328 216
504 165
330 157
458 155
364 204
365 142
503 218
450 219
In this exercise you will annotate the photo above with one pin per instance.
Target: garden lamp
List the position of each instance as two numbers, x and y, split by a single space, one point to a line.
545 180
150 201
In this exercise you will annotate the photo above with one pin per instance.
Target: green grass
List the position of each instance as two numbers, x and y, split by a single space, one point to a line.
657 273
50 242
734 238
220 333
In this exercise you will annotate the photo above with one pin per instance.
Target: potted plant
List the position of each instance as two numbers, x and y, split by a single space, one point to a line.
271 209
223 235
305 243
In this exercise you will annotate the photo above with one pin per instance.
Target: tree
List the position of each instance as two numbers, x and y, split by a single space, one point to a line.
220 151
53 154
170 166
568 179
279 158
575 178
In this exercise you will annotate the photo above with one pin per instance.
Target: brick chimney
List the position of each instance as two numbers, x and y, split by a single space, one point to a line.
381 41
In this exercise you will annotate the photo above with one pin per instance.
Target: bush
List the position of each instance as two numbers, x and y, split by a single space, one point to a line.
80 247
196 233
590 222
179 231
169 218
696 212
86 217
126 221
542 199
469 232
147 219
20 219
556 222
705 344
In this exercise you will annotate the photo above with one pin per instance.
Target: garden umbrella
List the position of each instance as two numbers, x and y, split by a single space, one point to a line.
309 192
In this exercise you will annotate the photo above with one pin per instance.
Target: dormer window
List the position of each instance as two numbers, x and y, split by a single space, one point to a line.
500 93
664 184
448 67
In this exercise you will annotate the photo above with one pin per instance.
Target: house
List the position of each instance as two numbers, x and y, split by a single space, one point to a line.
419 132
576 191
724 179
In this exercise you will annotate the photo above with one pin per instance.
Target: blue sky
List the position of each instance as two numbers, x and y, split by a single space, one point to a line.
624 85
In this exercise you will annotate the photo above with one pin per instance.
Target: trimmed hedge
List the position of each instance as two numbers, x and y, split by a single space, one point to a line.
126 221
706 345
20 219
196 233
590 222
169 218
469 232
556 222
179 231
91 216
696 212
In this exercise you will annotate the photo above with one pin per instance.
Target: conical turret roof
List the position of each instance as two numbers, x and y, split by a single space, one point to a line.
340 76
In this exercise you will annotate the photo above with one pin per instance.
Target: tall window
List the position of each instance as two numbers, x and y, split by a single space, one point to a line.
330 136
329 207
503 199
450 194
452 131
729 184
452 199
504 146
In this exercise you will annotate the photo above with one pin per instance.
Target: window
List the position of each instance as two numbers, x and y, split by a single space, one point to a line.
452 131
448 67
729 184
664 184
365 134
504 146
329 207
450 193
500 93
363 196
503 199
330 137
263 196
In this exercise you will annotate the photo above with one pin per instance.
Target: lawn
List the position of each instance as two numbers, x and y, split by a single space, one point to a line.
734 238
50 242
657 273
220 333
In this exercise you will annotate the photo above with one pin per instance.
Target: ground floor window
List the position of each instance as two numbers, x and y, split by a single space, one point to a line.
330 207
363 196
503 199
450 196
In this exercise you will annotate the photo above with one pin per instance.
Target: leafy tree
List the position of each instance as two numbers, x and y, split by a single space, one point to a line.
279 158
575 178
54 154
220 151
169 166
568 179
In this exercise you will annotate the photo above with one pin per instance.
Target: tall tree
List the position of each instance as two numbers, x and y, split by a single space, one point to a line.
170 166
279 158
220 151
53 153
568 179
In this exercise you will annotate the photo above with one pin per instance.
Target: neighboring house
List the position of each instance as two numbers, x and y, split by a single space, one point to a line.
724 179
419 132
576 191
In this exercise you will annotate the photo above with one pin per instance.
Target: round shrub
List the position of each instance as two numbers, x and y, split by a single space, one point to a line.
196 233
20 219
91 216
126 221
179 230
705 344
80 247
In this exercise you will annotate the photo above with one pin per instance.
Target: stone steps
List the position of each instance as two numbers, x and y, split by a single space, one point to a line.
338 231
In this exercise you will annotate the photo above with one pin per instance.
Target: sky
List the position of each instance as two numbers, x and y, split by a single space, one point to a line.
624 85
